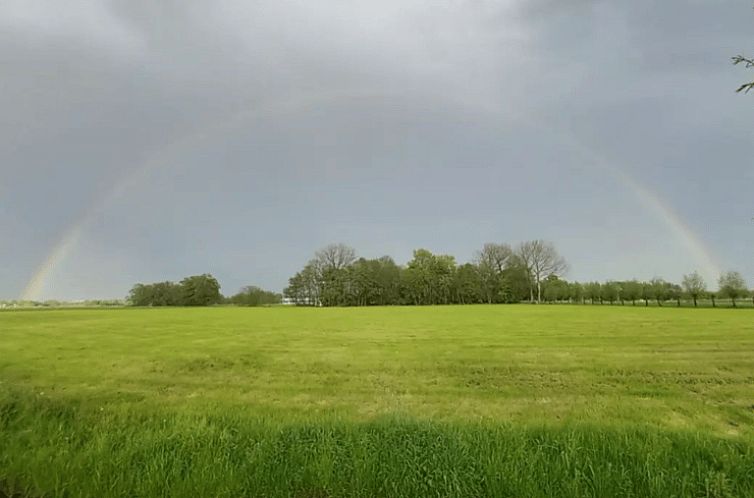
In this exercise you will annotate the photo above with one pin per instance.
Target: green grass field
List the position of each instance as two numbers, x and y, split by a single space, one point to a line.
438 401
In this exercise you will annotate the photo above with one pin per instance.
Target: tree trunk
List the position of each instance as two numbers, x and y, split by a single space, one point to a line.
734 301
646 303
714 305
694 301
679 302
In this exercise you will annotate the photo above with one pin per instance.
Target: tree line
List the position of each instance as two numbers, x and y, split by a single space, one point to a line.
693 287
197 290
531 271
499 273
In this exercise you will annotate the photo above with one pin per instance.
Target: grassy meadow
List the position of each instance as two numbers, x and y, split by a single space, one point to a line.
406 401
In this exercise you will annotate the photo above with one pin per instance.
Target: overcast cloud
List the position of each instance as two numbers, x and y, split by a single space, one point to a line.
183 137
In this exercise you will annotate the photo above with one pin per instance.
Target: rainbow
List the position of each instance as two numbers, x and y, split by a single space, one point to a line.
654 204
170 154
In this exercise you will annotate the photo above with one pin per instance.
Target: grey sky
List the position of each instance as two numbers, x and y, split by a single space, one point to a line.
237 138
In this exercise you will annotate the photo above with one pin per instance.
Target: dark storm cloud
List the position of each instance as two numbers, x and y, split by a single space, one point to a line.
270 128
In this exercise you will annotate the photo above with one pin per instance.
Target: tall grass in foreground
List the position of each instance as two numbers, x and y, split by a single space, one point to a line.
57 448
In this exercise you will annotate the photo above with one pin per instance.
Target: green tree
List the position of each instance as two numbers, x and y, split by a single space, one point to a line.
491 261
418 279
140 295
514 283
468 285
593 290
674 292
156 294
694 286
555 289
362 286
632 291
200 290
610 292
428 278
388 281
647 292
334 288
577 292
659 290
733 286
254 296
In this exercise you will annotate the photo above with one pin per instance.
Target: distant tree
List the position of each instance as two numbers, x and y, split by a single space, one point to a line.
610 292
362 287
304 287
335 257
593 290
514 284
541 260
166 294
491 262
632 291
732 285
157 294
659 290
468 285
140 295
388 278
200 290
555 289
576 292
444 272
334 286
428 278
674 292
254 296
694 286
295 289
647 292
419 283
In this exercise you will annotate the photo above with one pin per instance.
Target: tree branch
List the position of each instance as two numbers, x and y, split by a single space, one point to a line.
748 63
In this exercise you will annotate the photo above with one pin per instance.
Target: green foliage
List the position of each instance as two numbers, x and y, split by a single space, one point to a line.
610 292
334 277
733 286
658 289
468 285
593 291
632 291
157 294
428 278
199 290
555 289
255 296
694 286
